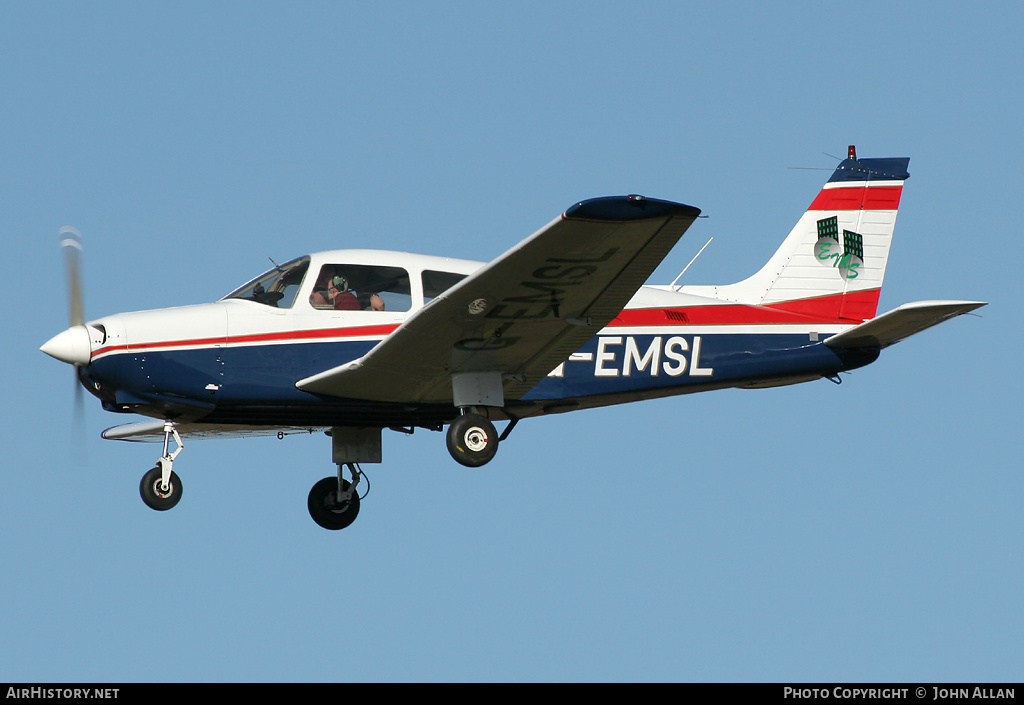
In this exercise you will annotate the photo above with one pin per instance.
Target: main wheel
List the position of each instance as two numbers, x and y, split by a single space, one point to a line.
324 507
155 497
472 440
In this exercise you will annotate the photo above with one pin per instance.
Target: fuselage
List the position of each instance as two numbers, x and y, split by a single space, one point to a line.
237 360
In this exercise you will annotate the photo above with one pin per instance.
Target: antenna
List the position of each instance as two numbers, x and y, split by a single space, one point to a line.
673 284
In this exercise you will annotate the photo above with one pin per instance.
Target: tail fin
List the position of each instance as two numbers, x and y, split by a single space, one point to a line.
832 264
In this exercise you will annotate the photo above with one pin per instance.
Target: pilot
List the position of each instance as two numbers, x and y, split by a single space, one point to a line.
344 300
331 292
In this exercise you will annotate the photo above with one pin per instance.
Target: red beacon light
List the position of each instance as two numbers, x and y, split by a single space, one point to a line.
851 152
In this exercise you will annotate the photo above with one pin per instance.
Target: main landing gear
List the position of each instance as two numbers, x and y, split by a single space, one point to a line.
333 502
472 440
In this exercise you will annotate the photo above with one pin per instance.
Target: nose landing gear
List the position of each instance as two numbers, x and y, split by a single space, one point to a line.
161 487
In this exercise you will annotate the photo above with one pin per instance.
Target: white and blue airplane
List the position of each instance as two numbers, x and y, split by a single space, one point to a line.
351 342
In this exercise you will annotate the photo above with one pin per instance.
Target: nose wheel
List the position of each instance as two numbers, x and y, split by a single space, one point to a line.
157 494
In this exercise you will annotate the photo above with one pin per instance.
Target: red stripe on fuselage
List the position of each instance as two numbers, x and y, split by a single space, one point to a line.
291 336
855 198
822 309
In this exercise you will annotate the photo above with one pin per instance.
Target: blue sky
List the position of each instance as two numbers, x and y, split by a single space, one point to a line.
866 532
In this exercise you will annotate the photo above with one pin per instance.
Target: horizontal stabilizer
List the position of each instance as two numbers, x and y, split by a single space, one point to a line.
902 322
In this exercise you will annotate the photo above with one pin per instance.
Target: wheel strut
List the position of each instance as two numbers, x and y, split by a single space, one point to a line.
166 461
344 494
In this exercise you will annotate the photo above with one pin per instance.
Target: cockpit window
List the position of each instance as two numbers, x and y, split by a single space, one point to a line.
275 288
361 287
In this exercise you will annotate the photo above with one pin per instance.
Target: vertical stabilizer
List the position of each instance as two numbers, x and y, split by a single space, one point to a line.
833 262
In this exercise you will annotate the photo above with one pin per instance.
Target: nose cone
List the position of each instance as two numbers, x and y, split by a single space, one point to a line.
72 346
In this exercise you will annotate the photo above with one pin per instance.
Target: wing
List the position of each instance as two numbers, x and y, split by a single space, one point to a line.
902 322
152 431
524 313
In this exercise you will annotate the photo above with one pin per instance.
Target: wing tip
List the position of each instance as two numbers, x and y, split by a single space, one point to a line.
628 208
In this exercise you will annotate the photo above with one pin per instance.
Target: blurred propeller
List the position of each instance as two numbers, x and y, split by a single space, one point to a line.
71 245
74 345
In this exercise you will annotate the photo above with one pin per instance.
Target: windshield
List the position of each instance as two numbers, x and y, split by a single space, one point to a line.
276 287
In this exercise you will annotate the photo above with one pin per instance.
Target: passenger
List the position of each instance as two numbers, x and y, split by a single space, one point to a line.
376 303
321 297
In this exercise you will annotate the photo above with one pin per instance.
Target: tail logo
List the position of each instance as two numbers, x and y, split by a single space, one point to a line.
847 258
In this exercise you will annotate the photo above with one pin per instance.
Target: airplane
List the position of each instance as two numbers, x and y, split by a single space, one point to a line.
351 342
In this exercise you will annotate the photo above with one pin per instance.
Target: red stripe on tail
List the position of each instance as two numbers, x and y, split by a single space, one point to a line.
855 306
876 198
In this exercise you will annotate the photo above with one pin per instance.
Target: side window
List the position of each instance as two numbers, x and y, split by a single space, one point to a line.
435 283
361 287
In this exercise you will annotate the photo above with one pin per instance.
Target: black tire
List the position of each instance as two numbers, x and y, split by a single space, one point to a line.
149 488
322 507
472 440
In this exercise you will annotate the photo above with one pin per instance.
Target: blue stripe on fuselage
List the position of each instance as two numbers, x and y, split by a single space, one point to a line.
607 364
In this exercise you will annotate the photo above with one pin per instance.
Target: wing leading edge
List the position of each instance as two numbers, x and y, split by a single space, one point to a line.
525 312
